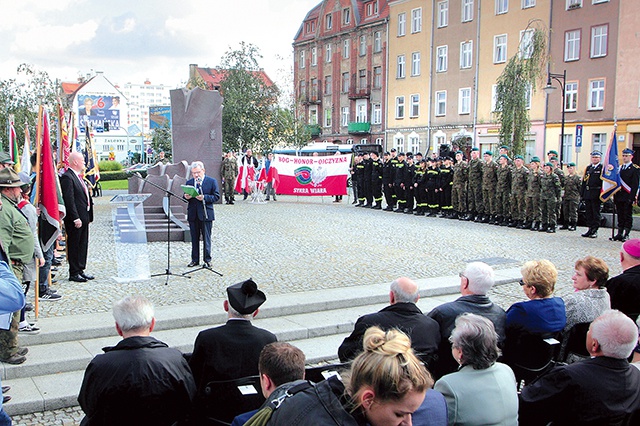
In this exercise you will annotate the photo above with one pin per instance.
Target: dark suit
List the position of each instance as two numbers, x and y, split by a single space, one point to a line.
200 216
630 175
228 352
591 187
624 291
79 205
596 391
423 331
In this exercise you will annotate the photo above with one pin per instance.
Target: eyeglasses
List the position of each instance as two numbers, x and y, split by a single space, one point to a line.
522 282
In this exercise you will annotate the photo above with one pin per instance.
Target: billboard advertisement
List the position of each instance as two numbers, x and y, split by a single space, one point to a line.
97 110
159 116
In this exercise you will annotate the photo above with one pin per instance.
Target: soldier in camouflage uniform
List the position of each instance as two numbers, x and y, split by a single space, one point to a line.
489 182
519 175
571 198
503 191
549 196
229 172
459 189
557 169
475 204
533 212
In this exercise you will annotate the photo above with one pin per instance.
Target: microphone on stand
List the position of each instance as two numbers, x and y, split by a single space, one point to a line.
199 188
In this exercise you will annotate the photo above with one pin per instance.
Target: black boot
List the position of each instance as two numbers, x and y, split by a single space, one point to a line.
564 226
618 236
513 223
572 226
551 229
521 225
543 228
588 233
625 235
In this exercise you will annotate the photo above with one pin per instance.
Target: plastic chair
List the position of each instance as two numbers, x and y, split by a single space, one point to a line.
223 400
529 354
576 347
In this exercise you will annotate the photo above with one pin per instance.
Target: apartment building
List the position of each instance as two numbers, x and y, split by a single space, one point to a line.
340 69
142 96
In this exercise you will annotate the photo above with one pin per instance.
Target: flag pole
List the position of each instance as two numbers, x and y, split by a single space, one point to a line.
37 166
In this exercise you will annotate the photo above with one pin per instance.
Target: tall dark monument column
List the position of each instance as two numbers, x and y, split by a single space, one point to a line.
196 117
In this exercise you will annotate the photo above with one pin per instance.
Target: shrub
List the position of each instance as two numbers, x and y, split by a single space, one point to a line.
109 166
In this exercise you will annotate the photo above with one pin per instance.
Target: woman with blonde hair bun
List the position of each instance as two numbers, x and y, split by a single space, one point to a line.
384 386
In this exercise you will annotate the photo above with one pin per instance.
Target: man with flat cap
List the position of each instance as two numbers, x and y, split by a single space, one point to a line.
591 186
627 196
231 351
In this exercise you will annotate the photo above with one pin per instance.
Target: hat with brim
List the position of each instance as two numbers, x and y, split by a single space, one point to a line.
9 178
245 297
5 158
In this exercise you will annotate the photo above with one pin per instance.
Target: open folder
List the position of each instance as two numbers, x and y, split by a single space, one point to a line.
189 189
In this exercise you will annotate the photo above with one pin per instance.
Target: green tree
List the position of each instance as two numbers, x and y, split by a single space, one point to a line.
289 130
161 140
518 81
21 97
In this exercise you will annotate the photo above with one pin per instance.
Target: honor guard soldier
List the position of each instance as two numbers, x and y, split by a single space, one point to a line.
475 203
503 191
534 214
446 185
489 182
549 196
376 181
627 196
571 198
590 192
388 171
459 188
519 175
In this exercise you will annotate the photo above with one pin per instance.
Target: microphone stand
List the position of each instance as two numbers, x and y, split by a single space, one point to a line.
168 195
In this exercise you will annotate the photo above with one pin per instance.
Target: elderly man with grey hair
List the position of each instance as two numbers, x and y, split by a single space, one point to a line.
475 282
601 390
403 314
140 380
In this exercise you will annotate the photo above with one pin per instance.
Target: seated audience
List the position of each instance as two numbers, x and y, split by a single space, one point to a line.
475 282
281 366
403 314
433 411
483 391
140 380
624 289
231 351
385 385
542 313
601 390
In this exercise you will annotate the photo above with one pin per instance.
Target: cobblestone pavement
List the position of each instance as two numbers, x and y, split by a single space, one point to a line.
305 243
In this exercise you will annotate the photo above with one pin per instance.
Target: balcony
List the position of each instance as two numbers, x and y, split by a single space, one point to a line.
313 97
359 128
313 129
360 92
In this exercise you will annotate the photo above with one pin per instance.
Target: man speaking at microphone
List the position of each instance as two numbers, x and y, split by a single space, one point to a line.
200 213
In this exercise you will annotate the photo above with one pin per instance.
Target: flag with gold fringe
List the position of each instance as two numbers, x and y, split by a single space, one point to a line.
610 170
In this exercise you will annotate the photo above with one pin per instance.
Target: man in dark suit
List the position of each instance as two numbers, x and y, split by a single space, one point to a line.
79 205
200 213
591 187
624 289
601 390
626 197
231 351
402 313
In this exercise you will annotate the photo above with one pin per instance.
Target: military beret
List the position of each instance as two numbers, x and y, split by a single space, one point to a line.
459 152
553 159
504 156
596 154
632 247
519 157
553 151
627 151
488 153
571 165
550 164
535 160
245 297
475 149
504 147
5 158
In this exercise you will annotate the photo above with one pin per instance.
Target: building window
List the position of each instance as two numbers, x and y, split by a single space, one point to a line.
415 63
376 114
377 77
399 106
327 117
400 68
361 111
303 89
346 16
526 4
327 57
443 13
464 101
494 97
314 56
372 8
599 1
572 45
402 24
302 59
315 94
467 10
599 142
415 105
525 48
362 79
345 82
398 142
327 21
414 142
442 58
500 49
596 94
527 96
574 4
377 42
466 54
502 6
345 48
344 116
313 114
599 41
571 96
441 103
416 20
363 45
327 85
567 147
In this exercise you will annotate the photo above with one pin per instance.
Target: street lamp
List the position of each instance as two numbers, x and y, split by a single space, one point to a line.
549 89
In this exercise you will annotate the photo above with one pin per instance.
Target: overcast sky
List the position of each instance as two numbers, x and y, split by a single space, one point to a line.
132 40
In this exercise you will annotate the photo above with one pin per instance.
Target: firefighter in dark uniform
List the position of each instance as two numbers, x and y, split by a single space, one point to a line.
368 194
627 196
358 179
398 183
420 188
432 186
446 185
376 181
388 170
408 184
590 192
